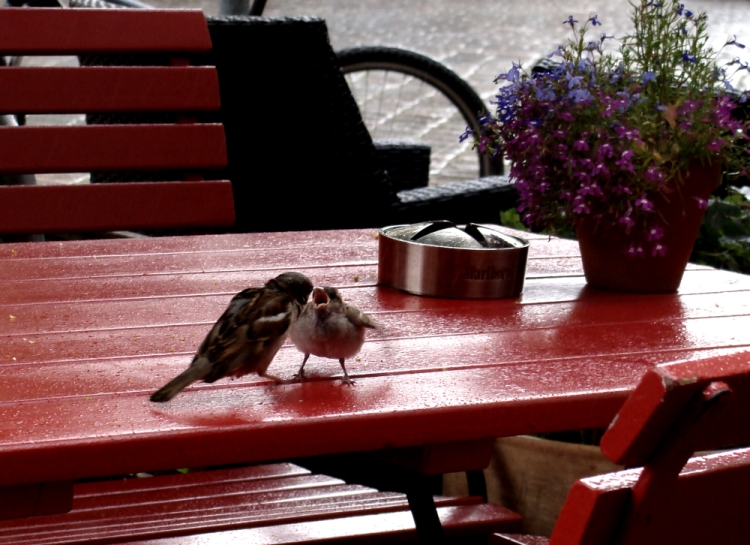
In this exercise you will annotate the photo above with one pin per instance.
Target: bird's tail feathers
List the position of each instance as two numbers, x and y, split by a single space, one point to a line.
196 371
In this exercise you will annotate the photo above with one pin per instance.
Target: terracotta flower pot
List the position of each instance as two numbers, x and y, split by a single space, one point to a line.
606 263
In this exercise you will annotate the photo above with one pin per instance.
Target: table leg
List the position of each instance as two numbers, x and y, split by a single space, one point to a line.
422 504
477 483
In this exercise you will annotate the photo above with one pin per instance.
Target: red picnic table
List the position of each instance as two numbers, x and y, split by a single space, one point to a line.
90 329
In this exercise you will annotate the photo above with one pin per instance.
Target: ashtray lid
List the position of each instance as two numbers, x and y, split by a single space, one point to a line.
448 234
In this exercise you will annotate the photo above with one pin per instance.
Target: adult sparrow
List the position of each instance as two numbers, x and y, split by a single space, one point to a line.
329 328
247 336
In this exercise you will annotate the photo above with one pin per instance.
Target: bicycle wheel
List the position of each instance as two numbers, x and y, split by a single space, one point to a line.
405 95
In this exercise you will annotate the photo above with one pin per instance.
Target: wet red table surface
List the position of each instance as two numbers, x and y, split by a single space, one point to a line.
89 329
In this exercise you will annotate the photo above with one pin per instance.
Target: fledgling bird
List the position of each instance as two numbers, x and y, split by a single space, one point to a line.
329 328
247 336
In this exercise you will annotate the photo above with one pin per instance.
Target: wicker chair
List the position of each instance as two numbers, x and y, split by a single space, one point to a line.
300 156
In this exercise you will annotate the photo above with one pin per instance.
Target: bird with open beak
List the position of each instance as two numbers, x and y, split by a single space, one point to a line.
247 336
329 328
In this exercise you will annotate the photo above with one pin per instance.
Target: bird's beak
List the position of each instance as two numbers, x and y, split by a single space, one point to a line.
320 298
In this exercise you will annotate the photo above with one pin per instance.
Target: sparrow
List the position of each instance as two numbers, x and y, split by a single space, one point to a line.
329 328
247 336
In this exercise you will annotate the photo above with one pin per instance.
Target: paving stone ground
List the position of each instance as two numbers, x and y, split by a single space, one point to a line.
479 38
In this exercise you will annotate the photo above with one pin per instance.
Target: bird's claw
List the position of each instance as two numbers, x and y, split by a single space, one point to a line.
347 381
300 376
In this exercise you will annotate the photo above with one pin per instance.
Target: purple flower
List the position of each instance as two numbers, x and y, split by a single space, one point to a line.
579 206
594 21
627 221
702 203
646 77
659 249
634 251
605 150
688 107
645 204
570 21
545 94
653 174
715 145
573 81
513 75
624 161
622 132
687 57
735 43
654 233
598 169
580 145
567 117
591 189
579 95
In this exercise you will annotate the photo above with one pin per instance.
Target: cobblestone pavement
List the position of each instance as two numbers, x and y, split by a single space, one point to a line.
479 38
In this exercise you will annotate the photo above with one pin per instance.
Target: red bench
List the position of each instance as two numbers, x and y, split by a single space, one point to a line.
185 146
274 503
675 411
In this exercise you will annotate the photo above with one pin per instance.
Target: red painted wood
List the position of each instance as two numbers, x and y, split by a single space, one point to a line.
397 527
108 89
105 316
69 32
252 497
103 207
664 394
707 505
111 147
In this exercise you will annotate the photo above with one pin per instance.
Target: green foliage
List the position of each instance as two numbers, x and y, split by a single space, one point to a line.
724 238
511 218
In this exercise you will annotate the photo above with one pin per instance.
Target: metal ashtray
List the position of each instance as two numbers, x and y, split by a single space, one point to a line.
441 259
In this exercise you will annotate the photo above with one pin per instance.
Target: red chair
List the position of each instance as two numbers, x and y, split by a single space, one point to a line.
676 410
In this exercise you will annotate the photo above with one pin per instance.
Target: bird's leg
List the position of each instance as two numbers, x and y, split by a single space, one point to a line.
301 373
274 378
346 378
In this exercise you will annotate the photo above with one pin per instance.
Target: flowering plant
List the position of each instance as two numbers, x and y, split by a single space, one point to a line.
604 131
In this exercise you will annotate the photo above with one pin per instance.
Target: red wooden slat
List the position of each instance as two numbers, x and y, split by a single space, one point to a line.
249 475
141 374
102 207
456 521
108 89
358 522
707 504
72 31
364 239
111 147
268 421
663 394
